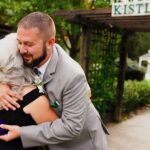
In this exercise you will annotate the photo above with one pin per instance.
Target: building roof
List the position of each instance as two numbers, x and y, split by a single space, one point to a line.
145 56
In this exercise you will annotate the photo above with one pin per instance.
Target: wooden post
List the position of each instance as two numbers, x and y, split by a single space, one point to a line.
84 48
121 76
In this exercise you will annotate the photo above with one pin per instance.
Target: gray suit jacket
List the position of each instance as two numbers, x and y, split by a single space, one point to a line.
79 126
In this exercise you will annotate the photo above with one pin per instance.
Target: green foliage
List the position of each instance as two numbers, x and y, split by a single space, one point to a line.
103 71
138 44
136 94
105 104
102 3
68 35
12 11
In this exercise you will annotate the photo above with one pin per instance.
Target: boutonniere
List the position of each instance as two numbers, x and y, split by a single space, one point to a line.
38 82
55 104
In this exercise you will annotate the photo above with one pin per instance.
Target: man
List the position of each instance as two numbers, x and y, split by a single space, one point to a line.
79 126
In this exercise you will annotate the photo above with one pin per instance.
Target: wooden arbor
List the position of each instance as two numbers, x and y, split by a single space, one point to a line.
101 19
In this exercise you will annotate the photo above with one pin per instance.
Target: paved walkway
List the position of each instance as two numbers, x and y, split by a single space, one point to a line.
132 134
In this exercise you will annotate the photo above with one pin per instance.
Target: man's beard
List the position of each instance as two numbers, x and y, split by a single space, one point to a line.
36 62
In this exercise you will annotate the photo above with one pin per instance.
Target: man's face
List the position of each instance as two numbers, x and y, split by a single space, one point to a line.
32 47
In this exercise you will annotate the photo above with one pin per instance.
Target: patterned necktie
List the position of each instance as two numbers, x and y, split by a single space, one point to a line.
37 72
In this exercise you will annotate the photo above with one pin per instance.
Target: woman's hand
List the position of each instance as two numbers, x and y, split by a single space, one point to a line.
8 98
13 132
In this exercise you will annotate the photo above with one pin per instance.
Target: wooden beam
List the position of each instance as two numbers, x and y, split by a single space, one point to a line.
85 44
121 76
101 16
82 12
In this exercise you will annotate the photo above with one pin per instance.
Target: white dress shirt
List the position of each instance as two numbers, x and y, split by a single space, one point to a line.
43 68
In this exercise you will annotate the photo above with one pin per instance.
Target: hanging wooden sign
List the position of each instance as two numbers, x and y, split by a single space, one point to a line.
130 7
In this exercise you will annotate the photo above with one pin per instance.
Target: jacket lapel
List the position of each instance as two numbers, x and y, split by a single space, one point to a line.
51 68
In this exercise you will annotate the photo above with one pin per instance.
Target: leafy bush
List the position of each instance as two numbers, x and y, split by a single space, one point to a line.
104 105
136 94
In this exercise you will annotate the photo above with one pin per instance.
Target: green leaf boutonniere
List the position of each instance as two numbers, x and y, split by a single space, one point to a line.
55 104
38 82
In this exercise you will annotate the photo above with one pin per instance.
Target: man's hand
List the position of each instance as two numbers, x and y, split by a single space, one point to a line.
13 132
8 98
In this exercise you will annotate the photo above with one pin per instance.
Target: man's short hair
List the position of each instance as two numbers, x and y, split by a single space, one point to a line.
42 21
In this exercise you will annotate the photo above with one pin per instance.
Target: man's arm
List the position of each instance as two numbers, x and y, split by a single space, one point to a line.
71 123
66 128
8 97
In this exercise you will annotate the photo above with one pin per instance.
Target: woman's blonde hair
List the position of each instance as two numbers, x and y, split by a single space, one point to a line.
12 69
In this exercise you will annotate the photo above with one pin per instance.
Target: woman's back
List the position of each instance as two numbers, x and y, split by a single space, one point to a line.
18 117
27 114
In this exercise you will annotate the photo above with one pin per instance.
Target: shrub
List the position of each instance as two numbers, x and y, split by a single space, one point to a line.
136 94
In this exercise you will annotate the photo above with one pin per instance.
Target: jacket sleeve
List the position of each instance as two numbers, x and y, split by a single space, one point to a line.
70 125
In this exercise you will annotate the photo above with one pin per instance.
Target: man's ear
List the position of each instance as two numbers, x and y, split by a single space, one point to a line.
51 42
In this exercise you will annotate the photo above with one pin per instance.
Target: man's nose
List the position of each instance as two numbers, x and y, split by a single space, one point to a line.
22 49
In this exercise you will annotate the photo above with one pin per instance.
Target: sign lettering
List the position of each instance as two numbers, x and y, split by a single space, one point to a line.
130 8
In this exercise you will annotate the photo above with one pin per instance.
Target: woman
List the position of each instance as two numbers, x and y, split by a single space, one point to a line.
34 108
